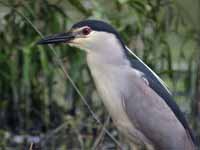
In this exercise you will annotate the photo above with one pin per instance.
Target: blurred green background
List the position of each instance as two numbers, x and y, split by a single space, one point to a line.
40 108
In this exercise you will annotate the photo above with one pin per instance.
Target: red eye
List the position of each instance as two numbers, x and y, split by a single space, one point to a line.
86 31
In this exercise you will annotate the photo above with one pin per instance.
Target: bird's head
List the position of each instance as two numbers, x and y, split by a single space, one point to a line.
89 35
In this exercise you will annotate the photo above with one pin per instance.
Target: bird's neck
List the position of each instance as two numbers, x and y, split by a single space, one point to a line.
105 67
110 55
104 63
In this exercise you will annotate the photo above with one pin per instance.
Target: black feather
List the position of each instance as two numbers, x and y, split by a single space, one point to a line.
98 25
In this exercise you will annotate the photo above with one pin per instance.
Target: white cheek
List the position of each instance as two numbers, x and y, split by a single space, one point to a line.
82 43
79 44
72 44
94 42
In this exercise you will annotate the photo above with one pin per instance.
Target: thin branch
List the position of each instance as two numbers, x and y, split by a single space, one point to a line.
54 132
101 135
31 146
59 62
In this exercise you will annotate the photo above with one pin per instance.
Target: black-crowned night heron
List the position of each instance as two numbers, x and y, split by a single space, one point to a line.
139 103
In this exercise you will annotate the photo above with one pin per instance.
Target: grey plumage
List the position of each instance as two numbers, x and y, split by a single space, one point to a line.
136 98
148 117
159 88
158 120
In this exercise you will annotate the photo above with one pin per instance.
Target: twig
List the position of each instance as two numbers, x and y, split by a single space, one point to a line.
54 132
101 134
31 146
59 62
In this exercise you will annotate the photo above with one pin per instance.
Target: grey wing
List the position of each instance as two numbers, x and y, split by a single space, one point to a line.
160 88
153 117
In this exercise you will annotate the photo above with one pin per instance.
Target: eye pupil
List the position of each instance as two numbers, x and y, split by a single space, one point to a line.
86 31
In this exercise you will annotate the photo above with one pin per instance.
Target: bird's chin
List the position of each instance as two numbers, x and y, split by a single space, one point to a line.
72 44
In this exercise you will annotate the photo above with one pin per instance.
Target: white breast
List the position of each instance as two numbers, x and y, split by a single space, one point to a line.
109 92
108 83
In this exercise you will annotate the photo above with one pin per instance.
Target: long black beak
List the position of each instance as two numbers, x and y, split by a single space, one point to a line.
57 38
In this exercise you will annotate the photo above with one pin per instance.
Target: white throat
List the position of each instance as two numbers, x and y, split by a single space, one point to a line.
107 50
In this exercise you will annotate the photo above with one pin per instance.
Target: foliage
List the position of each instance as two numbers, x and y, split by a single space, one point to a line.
38 104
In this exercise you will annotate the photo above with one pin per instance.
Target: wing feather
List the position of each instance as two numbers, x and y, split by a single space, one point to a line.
161 89
156 76
153 117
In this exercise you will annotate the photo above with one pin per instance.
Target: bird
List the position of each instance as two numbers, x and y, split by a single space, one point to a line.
138 101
